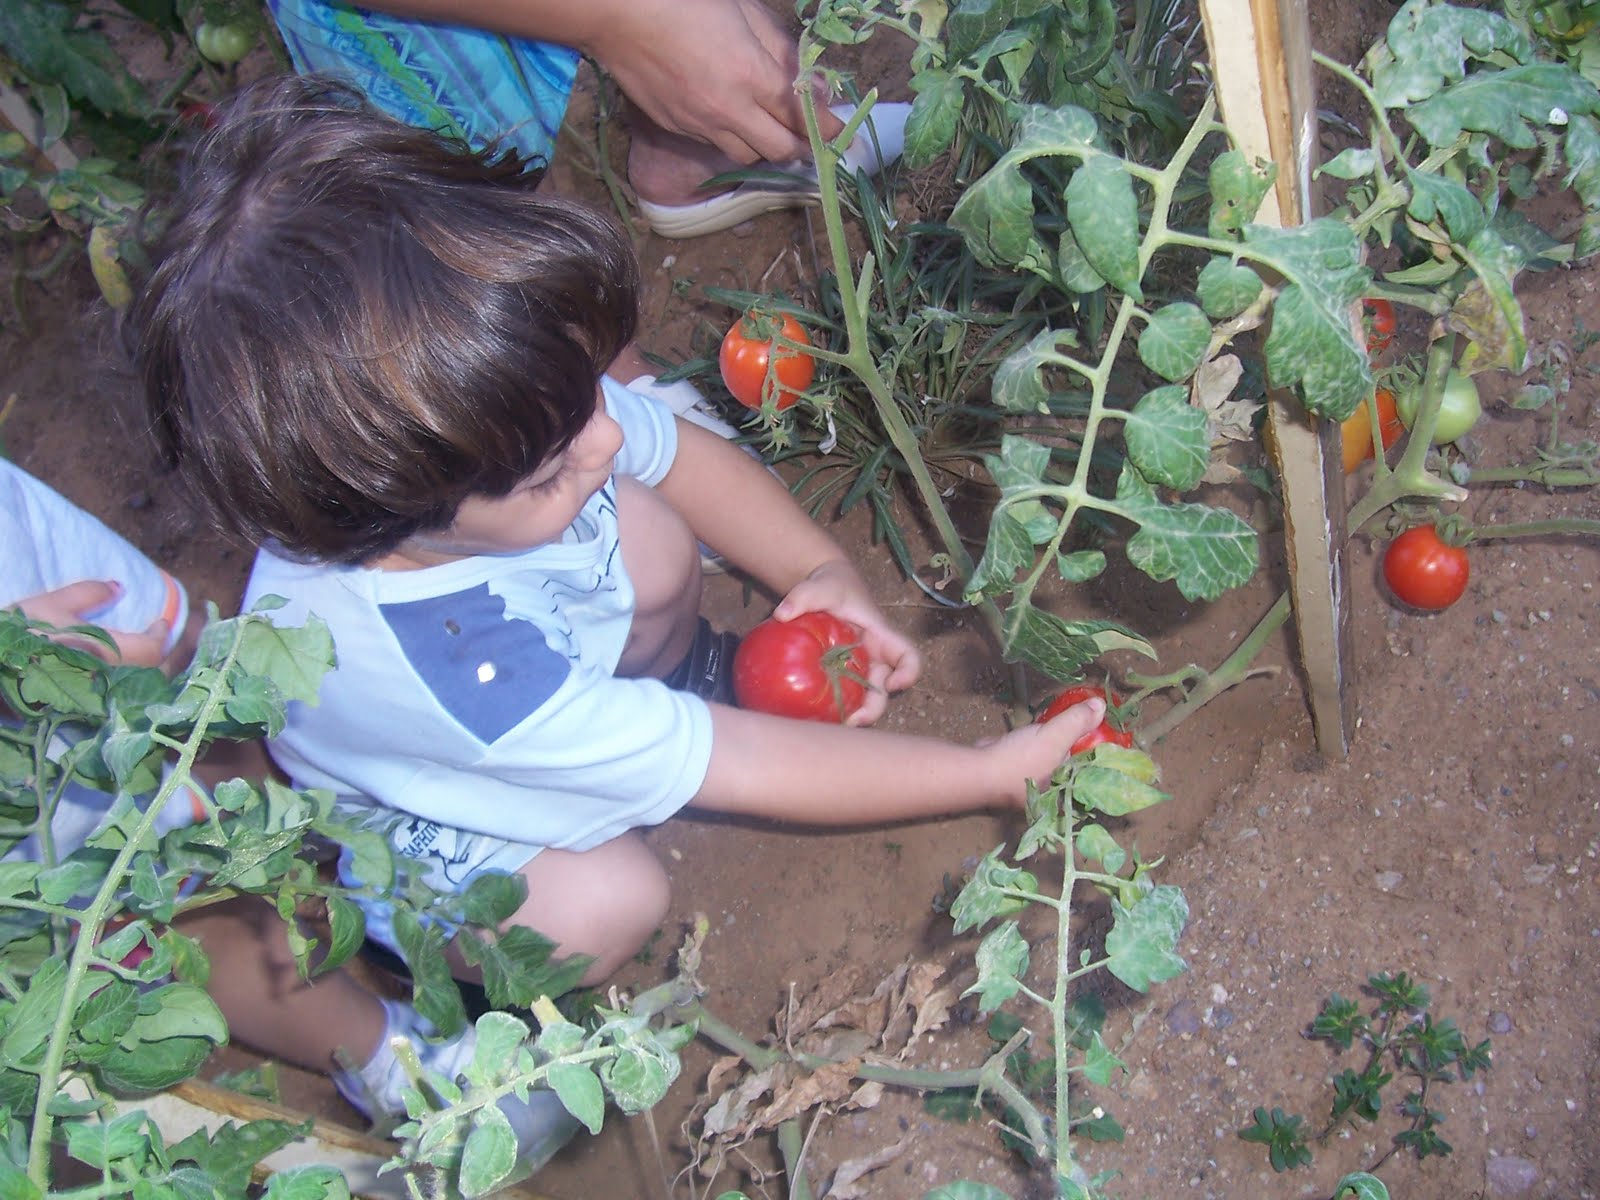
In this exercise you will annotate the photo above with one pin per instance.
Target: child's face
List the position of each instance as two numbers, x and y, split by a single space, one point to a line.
537 511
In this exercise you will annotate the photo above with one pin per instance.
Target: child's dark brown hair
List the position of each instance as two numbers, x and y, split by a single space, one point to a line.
353 325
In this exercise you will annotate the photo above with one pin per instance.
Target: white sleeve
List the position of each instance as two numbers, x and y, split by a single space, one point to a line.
649 433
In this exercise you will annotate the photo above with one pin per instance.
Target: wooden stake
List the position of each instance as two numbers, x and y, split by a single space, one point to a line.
1261 61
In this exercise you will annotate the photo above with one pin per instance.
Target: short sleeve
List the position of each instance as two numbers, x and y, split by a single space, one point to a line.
649 433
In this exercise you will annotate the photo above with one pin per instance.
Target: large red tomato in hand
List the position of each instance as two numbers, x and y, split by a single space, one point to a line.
812 668
1103 732
1425 571
751 353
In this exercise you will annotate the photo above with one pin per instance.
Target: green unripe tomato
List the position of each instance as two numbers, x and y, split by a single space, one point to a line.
223 44
1459 410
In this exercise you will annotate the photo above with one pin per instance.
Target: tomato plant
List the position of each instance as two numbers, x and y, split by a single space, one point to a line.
1459 409
1379 318
756 367
811 668
1106 731
223 44
1356 432
1425 571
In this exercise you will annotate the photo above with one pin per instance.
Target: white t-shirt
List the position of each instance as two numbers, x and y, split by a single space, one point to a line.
477 697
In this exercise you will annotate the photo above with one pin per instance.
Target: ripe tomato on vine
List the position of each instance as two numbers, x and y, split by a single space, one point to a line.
756 366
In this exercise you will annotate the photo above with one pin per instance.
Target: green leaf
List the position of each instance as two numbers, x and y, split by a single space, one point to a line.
1140 949
1312 343
1076 273
152 1066
1434 196
1225 289
499 1036
1427 46
1099 1064
1006 555
1362 1186
1175 340
1097 845
177 1010
348 929
295 658
580 1092
15 1184
1018 384
1102 790
108 1014
1511 104
1166 436
638 1078
1044 641
489 1154
1488 313
965 1190
434 990
1080 566
981 899
28 1022
1019 467
1002 960
1237 189
80 875
17 878
935 113
307 1183
1356 162
517 966
492 898
1204 550
371 857
65 681
1104 214
995 215
38 36
102 1143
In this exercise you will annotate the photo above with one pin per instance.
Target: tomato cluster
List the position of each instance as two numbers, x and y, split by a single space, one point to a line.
811 668
756 366
1106 731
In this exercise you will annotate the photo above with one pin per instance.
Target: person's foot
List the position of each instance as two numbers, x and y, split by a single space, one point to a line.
541 1122
667 172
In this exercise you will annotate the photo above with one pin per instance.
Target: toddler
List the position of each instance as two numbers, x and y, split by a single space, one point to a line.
381 356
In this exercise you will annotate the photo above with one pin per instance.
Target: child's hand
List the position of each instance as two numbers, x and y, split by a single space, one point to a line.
838 588
75 604
1039 748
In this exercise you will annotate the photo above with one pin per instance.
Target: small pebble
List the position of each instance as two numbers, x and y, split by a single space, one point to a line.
1500 1022
1387 881
1511 1175
1182 1019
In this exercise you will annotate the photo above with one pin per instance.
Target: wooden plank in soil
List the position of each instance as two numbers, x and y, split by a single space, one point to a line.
1261 61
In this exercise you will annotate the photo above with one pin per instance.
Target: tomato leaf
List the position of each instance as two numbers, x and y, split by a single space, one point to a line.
295 658
1237 189
1427 47
499 1036
935 113
517 966
39 37
1312 343
1166 436
1045 641
641 1073
1080 566
1076 273
1104 214
1002 960
981 900
581 1093
306 1183
1103 790
1174 340
1097 845
1140 949
1204 550
1225 289
1435 196
995 216
1362 1186
1509 104
1488 312
1018 384
101 1143
489 1154
1099 1064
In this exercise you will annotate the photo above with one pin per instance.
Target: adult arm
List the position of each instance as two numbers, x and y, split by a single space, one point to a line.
718 71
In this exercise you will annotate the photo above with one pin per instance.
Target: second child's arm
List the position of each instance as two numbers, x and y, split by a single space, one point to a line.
811 773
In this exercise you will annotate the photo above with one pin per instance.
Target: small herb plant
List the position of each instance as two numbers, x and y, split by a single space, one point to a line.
1399 1041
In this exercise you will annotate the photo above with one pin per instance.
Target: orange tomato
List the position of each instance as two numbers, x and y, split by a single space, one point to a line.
1356 432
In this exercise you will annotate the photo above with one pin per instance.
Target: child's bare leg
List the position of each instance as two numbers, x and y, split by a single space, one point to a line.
268 1006
663 561
604 902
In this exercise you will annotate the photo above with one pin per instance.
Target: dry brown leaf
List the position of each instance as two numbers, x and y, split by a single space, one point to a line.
933 1013
722 1073
732 1109
846 1179
835 989
1226 420
831 1084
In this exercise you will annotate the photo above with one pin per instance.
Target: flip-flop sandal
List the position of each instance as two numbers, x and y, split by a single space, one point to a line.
792 185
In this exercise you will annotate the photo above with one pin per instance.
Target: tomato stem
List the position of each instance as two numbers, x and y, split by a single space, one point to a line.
1556 527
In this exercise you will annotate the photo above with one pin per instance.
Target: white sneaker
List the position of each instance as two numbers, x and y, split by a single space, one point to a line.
542 1123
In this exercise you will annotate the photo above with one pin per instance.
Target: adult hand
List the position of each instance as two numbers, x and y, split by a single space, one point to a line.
717 71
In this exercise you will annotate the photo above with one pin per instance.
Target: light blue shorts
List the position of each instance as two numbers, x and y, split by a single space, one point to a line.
482 87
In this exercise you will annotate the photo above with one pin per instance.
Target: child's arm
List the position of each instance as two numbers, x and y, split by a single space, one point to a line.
813 773
739 509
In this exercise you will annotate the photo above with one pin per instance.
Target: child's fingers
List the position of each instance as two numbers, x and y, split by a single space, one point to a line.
75 604
1071 725
874 703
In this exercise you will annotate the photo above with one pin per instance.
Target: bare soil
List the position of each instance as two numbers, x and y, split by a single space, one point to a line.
1457 842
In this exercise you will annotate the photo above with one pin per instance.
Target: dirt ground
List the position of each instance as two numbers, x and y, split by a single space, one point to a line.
1457 842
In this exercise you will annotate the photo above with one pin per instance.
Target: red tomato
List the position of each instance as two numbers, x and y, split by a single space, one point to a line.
812 668
1379 318
1424 571
750 354
1103 732
1356 432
